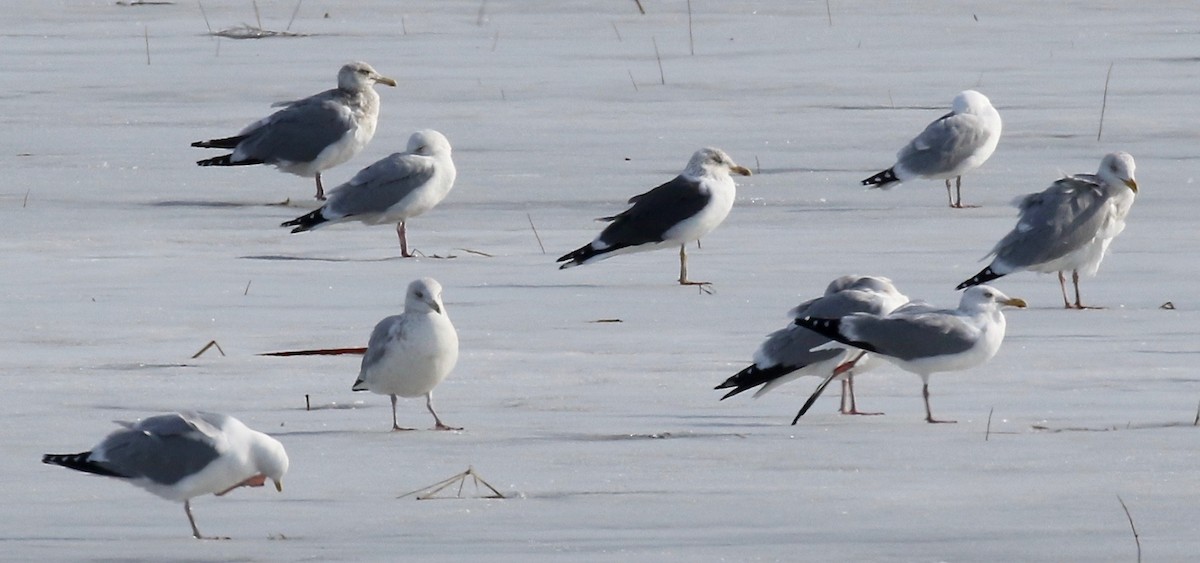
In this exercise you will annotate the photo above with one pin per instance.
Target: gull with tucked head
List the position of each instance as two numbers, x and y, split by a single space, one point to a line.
924 340
795 351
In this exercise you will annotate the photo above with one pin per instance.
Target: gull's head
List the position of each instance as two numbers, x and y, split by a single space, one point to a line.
428 142
1117 169
424 295
987 297
882 290
360 76
708 160
970 101
270 459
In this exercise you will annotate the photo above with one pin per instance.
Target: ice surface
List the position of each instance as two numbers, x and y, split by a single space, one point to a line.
122 259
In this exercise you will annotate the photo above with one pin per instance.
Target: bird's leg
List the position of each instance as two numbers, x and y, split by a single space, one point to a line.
187 509
1062 284
929 414
683 279
849 385
396 425
958 204
402 232
845 394
949 196
1075 280
438 421
320 188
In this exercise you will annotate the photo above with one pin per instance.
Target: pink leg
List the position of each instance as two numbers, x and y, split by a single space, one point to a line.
402 232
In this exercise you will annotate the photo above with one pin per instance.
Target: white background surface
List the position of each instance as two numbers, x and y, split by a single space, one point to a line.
122 258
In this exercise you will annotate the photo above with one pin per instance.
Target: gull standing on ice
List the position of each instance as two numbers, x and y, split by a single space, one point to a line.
410 353
392 190
1068 226
675 213
789 353
312 134
923 340
955 144
183 455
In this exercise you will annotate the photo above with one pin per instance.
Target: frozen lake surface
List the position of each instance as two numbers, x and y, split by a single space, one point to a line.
122 259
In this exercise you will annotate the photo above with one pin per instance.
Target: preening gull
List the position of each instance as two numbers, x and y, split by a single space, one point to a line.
1068 226
392 190
955 144
923 340
789 353
675 213
183 455
312 134
410 353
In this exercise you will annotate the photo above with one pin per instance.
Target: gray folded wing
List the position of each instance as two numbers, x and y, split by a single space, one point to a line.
912 336
381 185
1053 223
943 145
793 346
300 131
387 330
656 212
164 449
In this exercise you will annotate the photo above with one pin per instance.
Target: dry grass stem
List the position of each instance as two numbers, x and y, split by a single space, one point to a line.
211 344
319 352
431 492
535 233
1104 103
1136 539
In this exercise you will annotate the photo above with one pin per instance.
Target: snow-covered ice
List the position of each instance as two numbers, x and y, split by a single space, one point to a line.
122 259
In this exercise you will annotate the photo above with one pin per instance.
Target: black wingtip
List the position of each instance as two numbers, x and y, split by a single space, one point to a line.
306 222
882 179
78 462
751 377
577 257
985 275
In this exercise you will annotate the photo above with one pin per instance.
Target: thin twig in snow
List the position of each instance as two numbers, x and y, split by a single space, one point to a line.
146 32
257 16
615 30
988 433
661 77
535 233
205 14
635 88
1104 104
1137 540
294 12
829 13
691 41
211 344
640 8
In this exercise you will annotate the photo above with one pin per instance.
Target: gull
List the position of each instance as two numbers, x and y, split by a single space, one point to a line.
675 213
410 353
183 455
1067 226
923 340
312 134
951 146
789 353
392 190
